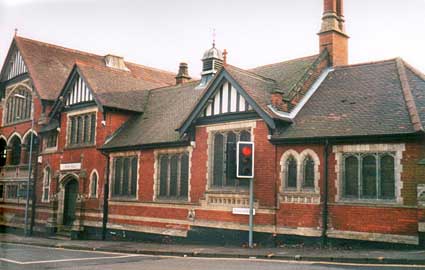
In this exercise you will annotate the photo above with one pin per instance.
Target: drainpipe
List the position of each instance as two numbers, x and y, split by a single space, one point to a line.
105 199
325 194
34 186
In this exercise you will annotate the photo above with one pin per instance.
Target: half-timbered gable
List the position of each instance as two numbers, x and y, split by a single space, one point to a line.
79 93
15 66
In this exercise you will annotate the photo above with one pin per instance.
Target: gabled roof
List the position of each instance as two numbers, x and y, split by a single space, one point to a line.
165 109
50 65
361 100
172 108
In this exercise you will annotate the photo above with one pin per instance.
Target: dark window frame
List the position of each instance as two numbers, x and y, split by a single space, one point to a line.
82 129
173 176
119 172
362 171
223 160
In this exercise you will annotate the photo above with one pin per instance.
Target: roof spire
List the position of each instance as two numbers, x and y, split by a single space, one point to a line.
16 32
213 38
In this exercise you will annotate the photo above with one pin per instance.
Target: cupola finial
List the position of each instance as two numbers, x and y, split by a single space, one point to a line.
213 36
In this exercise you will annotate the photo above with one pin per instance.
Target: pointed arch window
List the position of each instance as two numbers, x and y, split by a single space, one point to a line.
94 184
15 145
308 172
18 106
291 168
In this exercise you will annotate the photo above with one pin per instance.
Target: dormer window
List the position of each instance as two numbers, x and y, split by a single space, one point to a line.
116 62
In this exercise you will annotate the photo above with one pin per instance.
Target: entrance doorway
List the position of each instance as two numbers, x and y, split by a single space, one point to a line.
70 200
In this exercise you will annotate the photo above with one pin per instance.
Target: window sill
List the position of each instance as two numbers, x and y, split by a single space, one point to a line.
369 203
78 146
223 191
123 199
17 123
173 201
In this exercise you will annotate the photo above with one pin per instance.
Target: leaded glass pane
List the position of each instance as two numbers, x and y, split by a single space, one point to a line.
218 169
174 175
387 177
351 176
184 176
231 159
133 183
163 175
292 173
308 173
369 176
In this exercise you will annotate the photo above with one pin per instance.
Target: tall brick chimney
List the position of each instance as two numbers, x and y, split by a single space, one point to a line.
332 34
183 74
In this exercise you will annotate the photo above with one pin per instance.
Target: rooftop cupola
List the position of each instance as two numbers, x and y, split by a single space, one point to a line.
212 62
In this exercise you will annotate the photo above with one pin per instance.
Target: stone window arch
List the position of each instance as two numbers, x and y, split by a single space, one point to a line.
18 106
300 172
15 145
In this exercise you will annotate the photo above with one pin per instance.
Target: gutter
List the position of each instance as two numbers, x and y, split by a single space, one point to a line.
305 99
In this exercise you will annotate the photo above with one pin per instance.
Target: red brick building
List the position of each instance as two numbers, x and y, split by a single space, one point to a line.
132 152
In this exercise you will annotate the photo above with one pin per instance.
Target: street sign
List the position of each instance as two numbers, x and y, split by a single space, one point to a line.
242 211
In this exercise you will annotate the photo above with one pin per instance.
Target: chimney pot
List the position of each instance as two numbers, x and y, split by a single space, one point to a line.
183 74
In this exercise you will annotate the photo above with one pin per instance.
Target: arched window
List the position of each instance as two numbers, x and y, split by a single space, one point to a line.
47 177
308 172
291 175
18 106
27 144
15 145
93 184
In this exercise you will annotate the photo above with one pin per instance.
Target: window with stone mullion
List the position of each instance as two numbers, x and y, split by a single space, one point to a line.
369 176
125 177
173 176
224 159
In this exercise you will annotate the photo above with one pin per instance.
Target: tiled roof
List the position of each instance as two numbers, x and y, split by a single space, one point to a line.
50 65
165 109
286 74
358 100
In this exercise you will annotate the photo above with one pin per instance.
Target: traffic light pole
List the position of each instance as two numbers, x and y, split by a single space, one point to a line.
251 211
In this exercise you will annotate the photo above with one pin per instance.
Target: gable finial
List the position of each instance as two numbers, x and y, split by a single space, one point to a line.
16 32
213 38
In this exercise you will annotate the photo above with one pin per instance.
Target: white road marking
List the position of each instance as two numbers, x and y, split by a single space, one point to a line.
68 260
128 255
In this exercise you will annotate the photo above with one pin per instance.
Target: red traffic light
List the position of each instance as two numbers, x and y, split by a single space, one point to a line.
246 151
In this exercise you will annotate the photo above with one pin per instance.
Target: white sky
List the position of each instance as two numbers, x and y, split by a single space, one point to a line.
161 33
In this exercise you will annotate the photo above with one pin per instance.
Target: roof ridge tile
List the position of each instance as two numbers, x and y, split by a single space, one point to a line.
408 96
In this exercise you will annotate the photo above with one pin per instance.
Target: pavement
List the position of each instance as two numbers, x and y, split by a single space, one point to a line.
294 253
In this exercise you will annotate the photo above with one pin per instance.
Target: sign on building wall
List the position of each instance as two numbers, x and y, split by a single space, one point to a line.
70 166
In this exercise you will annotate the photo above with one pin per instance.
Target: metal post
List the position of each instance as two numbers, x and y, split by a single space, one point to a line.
251 210
29 172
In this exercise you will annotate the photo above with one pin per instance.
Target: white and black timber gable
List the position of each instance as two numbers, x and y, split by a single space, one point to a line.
14 65
75 94
224 100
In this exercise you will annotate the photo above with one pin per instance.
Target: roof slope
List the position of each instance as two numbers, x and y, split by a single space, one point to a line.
165 109
50 65
115 88
358 100
286 74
